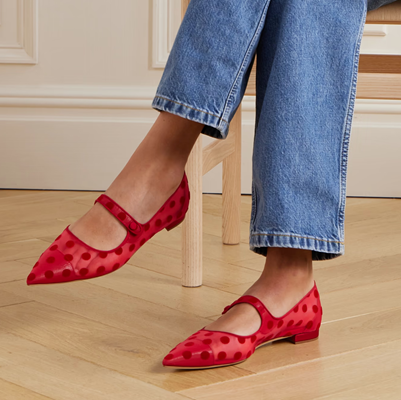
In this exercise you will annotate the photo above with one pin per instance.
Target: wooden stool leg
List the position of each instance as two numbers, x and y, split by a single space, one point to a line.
232 186
192 225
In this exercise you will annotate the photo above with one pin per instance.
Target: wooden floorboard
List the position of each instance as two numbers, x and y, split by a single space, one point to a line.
105 338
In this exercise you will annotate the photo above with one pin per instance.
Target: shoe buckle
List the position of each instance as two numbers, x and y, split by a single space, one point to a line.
134 228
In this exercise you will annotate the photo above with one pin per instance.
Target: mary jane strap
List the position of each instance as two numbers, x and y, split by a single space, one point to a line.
253 301
118 212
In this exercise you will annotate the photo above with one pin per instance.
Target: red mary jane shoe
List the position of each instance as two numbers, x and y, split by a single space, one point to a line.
70 259
210 349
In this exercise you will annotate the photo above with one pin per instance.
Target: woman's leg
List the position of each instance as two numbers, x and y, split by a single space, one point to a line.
203 82
149 178
307 62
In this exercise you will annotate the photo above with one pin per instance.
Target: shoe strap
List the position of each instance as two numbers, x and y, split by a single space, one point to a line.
253 301
117 211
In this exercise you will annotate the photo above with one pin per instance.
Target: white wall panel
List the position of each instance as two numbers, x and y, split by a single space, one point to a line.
18 31
72 120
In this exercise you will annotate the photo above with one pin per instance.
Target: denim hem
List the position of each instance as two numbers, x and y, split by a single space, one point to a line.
215 126
322 249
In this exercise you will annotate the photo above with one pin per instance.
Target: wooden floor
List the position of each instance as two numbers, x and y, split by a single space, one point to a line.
105 338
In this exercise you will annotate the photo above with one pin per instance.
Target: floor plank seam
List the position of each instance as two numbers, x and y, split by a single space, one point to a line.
17 304
322 294
361 315
25 388
89 361
15 280
84 317
157 304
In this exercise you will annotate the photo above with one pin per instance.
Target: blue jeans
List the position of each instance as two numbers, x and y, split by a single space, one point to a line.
307 62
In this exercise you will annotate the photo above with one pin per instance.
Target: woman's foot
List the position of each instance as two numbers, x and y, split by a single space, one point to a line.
286 279
284 304
150 177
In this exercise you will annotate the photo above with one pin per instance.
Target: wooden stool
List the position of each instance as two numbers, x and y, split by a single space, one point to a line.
379 77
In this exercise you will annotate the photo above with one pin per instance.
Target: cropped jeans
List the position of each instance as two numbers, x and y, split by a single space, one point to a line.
307 62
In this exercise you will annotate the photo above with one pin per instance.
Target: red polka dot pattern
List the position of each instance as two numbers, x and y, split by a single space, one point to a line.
67 257
213 348
101 270
225 339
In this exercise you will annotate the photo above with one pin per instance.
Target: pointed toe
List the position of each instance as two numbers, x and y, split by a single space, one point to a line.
52 267
191 353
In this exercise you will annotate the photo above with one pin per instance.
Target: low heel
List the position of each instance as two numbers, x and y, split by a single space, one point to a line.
302 337
174 224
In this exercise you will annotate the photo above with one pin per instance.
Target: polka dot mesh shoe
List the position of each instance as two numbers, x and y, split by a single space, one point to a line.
210 349
70 259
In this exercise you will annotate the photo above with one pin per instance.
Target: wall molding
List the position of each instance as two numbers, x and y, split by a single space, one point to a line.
375 30
68 96
165 23
26 49
362 106
132 97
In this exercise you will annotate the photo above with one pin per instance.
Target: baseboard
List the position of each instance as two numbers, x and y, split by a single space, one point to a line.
78 138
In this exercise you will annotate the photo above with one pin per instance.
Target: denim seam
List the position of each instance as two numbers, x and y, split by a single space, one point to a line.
226 109
296 236
346 133
254 203
192 108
